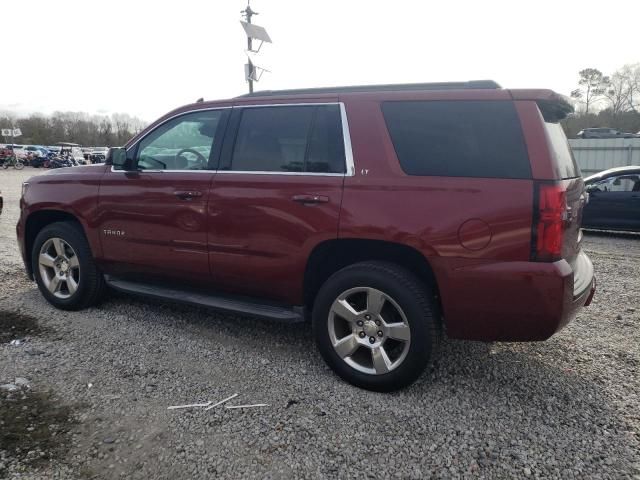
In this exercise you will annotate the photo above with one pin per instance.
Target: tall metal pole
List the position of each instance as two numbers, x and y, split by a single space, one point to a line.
248 13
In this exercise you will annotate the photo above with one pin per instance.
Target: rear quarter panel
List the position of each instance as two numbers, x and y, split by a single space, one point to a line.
427 213
459 224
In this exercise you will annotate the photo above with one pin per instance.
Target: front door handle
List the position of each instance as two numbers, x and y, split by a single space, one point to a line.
310 199
187 195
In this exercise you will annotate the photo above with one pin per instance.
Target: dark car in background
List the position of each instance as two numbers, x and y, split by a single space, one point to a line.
604 133
614 200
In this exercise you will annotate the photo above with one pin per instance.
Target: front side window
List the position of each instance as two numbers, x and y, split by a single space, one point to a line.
458 138
290 139
184 143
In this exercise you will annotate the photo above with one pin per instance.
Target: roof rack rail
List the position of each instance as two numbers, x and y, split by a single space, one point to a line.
400 87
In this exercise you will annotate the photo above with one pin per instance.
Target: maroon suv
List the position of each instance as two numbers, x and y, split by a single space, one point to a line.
383 213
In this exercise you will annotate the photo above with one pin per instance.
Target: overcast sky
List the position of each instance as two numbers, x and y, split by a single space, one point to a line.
147 57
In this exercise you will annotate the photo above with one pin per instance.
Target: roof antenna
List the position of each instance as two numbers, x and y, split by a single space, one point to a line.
200 100
252 72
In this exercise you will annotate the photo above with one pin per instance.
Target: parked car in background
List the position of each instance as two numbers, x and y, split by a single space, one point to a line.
614 199
98 154
604 133
5 152
381 213
17 150
36 150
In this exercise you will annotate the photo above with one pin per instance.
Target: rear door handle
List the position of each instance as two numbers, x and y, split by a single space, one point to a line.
187 195
310 199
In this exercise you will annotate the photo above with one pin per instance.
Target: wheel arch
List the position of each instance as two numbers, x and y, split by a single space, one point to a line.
38 220
332 255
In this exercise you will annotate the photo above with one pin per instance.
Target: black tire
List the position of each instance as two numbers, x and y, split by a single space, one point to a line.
91 286
410 294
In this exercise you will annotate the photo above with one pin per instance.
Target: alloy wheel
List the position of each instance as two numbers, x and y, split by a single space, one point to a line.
369 330
59 268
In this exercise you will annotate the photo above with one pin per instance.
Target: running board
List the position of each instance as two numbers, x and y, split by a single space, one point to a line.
226 303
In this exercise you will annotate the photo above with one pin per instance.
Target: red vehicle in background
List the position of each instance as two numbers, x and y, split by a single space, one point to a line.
10 157
384 214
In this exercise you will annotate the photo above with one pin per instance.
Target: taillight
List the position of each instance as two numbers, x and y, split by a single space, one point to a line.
550 217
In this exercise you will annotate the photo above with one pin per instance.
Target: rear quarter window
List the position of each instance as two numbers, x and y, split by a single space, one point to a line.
564 163
458 138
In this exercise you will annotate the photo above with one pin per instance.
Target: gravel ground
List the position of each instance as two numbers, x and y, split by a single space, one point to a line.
100 382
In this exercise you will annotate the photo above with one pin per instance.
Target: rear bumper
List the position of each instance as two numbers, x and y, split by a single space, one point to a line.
514 301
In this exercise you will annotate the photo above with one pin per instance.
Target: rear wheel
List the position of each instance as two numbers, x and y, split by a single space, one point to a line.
64 269
19 165
375 325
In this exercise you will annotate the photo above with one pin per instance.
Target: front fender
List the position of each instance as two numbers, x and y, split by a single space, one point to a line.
58 195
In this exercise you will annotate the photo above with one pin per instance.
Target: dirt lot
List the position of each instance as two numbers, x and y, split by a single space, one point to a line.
93 389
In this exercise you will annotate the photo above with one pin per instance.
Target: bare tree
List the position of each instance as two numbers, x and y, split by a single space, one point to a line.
593 85
631 74
623 90
617 93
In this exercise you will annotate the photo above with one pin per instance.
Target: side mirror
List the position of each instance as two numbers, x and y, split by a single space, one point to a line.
117 156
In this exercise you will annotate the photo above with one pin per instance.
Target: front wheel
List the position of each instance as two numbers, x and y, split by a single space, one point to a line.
375 324
64 269
19 165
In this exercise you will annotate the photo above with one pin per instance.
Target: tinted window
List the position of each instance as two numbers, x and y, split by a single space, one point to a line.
458 138
290 139
326 145
565 164
184 143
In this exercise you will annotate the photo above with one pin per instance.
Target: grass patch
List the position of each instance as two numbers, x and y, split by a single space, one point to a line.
14 325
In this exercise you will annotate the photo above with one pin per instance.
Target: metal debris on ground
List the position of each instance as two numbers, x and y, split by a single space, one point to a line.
247 406
22 382
191 405
209 405
221 401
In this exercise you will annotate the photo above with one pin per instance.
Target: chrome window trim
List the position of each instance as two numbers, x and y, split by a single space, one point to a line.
161 171
346 136
350 169
261 172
